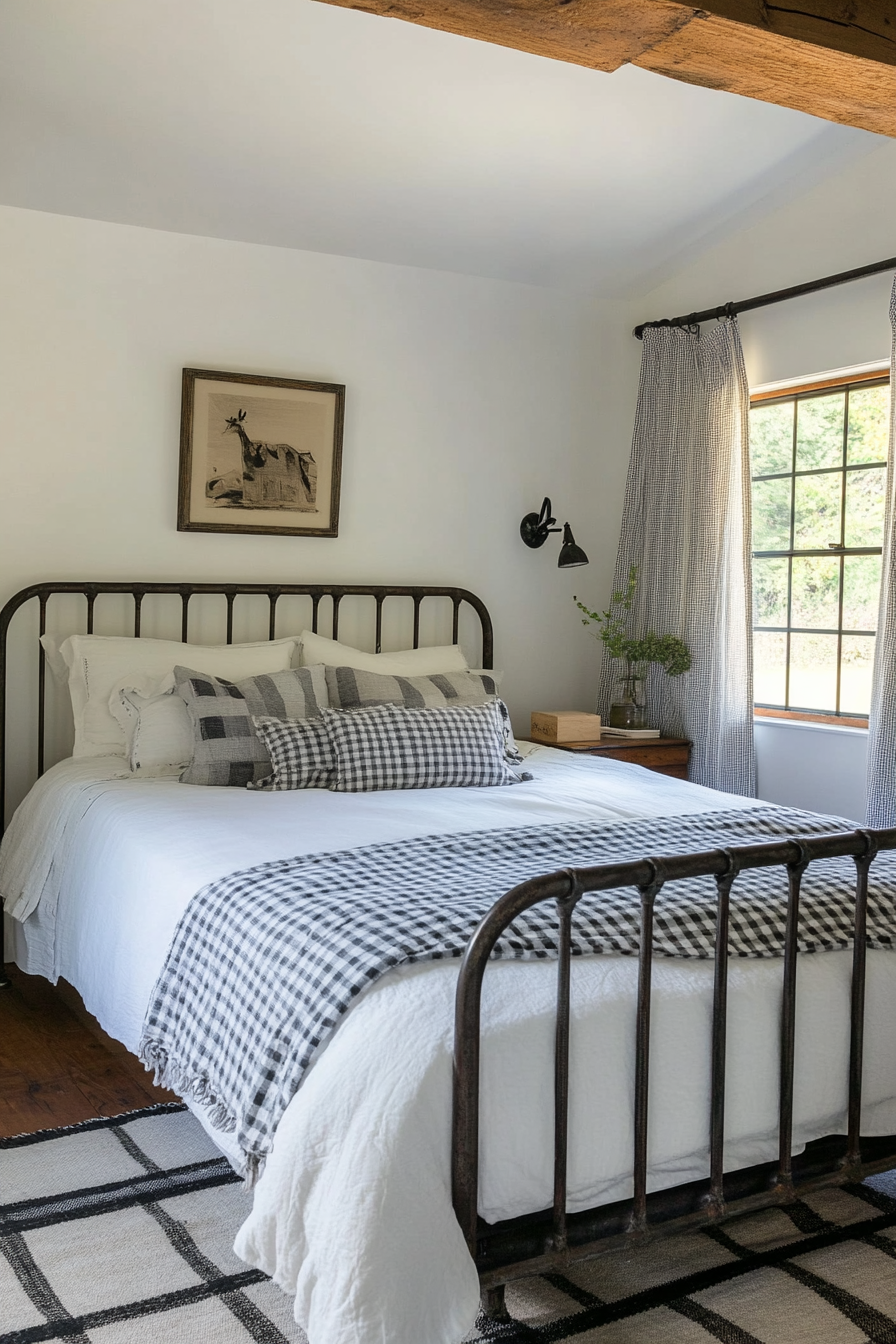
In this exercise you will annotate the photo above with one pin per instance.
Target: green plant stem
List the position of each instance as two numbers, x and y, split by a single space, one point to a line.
667 651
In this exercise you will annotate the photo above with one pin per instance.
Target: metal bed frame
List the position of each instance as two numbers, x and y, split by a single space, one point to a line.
552 1238
41 593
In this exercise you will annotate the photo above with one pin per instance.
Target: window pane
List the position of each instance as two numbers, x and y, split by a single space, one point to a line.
769 669
771 439
771 515
815 598
861 590
869 424
855 674
813 672
828 451
865 507
819 431
770 592
816 511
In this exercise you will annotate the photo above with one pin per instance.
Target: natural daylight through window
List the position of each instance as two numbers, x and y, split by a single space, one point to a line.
819 456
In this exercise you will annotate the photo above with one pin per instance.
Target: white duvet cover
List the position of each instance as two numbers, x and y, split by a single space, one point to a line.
353 1211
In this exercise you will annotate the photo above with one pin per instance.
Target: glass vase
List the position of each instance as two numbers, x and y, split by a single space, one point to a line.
629 707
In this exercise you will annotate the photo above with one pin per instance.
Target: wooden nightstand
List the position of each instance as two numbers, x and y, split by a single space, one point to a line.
663 755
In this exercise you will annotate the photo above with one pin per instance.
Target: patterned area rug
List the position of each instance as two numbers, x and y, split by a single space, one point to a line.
821 1272
121 1231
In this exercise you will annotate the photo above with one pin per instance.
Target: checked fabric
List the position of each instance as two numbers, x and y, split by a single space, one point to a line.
300 752
265 962
686 527
394 747
389 747
881 809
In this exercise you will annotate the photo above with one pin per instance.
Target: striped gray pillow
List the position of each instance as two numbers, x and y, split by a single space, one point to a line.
227 751
351 688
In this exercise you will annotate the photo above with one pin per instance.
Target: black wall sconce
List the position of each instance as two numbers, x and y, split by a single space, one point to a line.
535 528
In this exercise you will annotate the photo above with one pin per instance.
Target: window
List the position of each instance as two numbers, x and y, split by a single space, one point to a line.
819 456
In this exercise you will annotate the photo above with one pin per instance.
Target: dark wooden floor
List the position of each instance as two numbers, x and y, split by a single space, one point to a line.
57 1066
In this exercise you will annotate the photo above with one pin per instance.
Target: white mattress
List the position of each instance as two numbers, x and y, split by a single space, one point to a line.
353 1211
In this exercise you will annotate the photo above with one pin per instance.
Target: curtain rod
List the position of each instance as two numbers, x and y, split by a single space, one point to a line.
763 300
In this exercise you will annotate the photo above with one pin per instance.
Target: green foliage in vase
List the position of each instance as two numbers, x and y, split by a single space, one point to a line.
670 652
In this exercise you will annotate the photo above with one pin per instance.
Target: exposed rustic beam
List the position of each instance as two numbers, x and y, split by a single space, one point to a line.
833 58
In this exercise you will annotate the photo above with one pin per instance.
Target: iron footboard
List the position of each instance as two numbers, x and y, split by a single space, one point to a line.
552 1238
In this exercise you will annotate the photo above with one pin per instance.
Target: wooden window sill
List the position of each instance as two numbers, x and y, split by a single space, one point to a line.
825 720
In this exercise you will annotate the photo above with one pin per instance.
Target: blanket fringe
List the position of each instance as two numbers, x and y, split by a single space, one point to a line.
198 1087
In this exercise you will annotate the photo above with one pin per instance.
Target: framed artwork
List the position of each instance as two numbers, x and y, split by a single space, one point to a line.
259 454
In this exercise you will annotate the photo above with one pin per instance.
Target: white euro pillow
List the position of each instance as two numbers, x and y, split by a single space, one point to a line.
98 665
404 663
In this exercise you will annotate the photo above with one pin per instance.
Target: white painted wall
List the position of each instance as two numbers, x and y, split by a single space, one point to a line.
844 222
467 401
810 765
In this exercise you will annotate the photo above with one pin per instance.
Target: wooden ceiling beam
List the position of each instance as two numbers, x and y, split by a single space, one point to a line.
833 58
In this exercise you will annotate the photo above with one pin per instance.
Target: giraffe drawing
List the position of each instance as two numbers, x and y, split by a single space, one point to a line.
273 476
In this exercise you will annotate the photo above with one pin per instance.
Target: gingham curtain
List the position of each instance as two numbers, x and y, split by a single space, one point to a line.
881 807
686 525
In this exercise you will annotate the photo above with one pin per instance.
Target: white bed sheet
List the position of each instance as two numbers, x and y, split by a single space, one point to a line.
353 1211
106 863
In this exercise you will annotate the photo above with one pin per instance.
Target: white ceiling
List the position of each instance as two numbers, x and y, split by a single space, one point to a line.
303 125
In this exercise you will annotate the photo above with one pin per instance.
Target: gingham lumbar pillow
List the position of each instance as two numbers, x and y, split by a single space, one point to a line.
300 752
227 751
391 747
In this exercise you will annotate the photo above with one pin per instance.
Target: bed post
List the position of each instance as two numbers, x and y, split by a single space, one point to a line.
493 1304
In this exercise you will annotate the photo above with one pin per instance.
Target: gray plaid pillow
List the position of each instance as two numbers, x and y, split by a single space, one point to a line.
226 748
391 747
300 752
350 688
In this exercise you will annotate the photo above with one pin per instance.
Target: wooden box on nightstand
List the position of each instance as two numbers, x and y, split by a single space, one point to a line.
664 755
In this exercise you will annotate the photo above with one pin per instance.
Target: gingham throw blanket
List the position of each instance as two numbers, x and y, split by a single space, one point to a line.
265 962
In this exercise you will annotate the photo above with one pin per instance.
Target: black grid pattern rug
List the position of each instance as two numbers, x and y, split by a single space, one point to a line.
120 1232
823 1271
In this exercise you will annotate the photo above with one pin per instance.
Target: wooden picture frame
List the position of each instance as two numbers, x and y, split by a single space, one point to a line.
259 454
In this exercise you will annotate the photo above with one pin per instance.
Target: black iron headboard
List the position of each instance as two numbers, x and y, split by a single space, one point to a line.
41 593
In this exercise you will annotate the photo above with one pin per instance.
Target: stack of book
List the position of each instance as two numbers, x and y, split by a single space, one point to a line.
630 732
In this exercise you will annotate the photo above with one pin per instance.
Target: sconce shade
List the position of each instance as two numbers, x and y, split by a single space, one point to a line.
535 529
571 555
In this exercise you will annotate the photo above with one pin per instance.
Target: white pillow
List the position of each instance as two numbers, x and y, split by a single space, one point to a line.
157 730
97 665
404 663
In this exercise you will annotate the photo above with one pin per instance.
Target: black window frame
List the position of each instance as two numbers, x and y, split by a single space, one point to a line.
795 395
